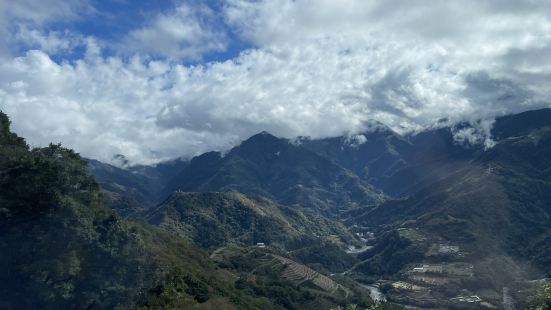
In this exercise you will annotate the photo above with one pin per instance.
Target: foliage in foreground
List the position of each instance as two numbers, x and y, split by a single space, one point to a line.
542 298
63 249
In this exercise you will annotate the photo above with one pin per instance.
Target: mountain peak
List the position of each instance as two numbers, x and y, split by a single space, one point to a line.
263 134
120 161
263 137
373 126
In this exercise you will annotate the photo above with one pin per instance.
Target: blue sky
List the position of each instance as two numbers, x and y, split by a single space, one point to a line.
155 80
111 21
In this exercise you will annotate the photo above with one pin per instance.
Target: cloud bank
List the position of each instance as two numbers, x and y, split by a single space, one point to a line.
315 68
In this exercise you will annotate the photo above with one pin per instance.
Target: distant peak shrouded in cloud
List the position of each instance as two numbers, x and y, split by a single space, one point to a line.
152 90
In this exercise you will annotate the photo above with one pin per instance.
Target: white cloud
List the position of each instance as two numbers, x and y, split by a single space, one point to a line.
100 107
475 134
21 24
188 32
41 12
317 69
355 140
51 42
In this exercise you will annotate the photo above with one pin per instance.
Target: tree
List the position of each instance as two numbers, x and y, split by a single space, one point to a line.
542 298
8 138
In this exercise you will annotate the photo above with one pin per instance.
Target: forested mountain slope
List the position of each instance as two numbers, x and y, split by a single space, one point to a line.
275 168
61 248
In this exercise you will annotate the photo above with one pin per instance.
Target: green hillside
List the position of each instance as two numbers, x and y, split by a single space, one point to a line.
277 169
493 214
265 272
467 227
213 220
133 189
63 249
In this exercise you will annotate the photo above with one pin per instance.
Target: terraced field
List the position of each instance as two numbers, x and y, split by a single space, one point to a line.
429 279
297 272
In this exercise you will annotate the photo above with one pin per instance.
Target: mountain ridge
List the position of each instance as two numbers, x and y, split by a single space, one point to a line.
275 168
424 199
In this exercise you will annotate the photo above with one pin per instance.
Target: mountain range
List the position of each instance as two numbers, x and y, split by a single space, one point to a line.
425 219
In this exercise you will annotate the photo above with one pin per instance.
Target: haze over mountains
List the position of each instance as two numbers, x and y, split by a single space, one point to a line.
420 220
64 249
480 215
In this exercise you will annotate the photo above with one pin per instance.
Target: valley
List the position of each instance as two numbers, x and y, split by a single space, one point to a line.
394 222
416 221
275 155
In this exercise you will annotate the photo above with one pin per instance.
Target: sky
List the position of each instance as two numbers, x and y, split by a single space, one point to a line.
155 80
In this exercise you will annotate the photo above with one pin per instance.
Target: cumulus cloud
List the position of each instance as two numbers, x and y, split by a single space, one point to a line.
51 42
314 69
99 106
41 12
21 24
187 32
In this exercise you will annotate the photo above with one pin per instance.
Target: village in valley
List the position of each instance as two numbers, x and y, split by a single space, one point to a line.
436 281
